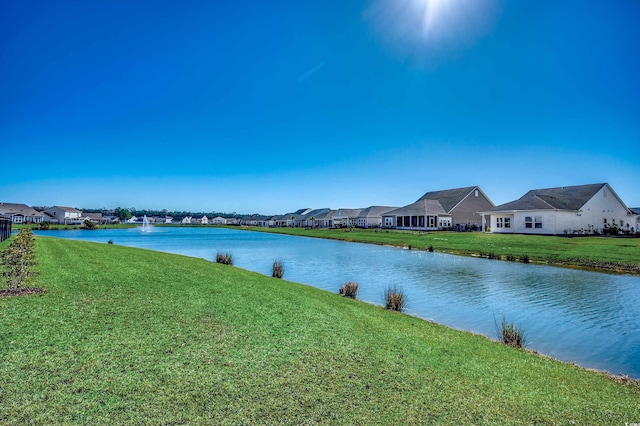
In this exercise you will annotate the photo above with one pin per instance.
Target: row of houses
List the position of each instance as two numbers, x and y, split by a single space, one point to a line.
582 209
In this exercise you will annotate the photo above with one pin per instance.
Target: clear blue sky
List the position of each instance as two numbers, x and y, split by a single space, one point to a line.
271 106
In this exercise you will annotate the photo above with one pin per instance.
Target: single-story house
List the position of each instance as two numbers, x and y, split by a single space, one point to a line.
463 204
20 213
63 215
581 209
346 217
218 220
292 219
186 220
324 218
423 215
96 218
371 217
311 219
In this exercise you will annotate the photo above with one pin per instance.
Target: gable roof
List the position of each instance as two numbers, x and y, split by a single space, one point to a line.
450 198
315 213
23 209
561 198
420 207
347 213
66 209
376 211
635 210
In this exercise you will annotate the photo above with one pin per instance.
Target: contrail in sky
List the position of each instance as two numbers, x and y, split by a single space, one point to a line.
311 71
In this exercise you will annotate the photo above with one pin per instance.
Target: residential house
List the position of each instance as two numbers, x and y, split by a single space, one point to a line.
63 215
311 220
371 217
636 212
218 220
292 219
423 215
582 209
204 220
96 218
325 219
463 204
346 217
20 213
186 220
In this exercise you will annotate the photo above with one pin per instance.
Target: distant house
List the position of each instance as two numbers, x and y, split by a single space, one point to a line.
423 215
463 204
96 218
310 220
20 213
582 209
346 217
186 220
292 219
218 220
636 212
204 220
371 217
64 215
324 219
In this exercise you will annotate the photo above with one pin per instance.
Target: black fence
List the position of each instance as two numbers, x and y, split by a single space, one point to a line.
5 228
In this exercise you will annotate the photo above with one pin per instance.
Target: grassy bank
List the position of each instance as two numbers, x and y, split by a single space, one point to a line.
595 253
126 335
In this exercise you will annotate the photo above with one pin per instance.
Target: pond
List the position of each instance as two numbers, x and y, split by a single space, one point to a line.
589 318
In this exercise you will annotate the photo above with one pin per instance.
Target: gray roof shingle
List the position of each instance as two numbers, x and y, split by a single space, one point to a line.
419 208
561 198
449 198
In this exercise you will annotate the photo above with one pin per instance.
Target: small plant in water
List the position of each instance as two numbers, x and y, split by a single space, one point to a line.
394 299
510 334
349 289
224 258
524 259
278 269
430 248
511 258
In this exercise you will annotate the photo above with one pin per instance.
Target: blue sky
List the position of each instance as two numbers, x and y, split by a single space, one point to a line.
273 106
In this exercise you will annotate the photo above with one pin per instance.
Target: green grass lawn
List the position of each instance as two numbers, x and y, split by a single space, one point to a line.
599 253
126 335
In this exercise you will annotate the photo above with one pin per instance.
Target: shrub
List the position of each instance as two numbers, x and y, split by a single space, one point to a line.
430 248
224 258
524 259
394 299
278 269
509 334
18 259
349 289
492 255
511 258
87 224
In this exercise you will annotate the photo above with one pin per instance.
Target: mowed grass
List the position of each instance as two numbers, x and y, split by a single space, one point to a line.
622 254
126 335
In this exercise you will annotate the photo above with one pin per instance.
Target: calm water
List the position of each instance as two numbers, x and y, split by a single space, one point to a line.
589 318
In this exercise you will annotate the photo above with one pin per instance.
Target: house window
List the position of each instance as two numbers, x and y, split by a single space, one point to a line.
507 222
498 222
420 221
528 222
538 222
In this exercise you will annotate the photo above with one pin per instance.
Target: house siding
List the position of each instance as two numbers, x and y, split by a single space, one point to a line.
466 213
